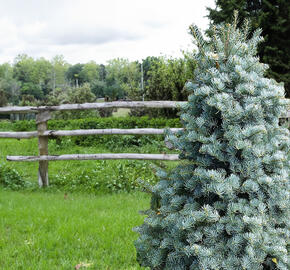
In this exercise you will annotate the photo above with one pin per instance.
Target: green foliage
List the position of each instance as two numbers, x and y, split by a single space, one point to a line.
226 206
5 125
3 98
79 74
81 94
8 85
105 178
99 88
72 95
113 92
10 178
95 177
28 100
91 123
75 75
131 82
122 79
24 125
116 141
59 68
34 75
35 82
273 18
90 72
165 81
31 89
110 141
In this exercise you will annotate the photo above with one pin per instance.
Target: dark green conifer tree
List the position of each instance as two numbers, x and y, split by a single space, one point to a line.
226 206
274 18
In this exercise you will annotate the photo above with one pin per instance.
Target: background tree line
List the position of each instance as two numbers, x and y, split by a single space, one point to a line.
30 81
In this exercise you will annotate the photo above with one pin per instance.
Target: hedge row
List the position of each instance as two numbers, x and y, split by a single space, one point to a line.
92 123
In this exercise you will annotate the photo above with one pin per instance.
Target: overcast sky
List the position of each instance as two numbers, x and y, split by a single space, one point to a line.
84 30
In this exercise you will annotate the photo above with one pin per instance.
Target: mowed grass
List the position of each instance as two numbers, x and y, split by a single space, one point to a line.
40 230
50 230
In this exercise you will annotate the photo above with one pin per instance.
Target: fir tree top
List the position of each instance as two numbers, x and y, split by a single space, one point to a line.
226 206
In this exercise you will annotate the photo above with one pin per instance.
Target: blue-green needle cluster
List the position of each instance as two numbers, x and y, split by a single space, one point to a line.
226 206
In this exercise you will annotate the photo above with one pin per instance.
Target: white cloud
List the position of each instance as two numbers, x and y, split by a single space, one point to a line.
97 30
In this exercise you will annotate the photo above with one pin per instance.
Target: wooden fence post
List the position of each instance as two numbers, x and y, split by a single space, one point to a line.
41 120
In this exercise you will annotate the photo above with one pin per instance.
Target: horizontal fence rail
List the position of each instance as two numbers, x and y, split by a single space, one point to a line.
19 135
92 106
82 132
95 157
43 114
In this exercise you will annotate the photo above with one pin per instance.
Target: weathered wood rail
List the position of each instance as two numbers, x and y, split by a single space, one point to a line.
92 106
43 114
95 157
81 132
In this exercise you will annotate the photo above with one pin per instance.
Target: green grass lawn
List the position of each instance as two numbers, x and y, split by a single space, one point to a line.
41 230
45 230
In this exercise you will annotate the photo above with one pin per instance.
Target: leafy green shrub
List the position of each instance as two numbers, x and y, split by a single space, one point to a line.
24 125
10 178
5 125
96 122
105 177
115 141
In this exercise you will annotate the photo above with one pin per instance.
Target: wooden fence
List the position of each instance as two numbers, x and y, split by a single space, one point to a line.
43 114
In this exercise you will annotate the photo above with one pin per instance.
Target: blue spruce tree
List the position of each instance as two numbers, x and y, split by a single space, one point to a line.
226 206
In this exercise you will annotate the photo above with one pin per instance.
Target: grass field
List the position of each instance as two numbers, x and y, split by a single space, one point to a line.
51 231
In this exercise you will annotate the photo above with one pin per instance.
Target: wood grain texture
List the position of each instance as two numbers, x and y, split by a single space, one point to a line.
83 132
95 157
42 117
91 106
18 135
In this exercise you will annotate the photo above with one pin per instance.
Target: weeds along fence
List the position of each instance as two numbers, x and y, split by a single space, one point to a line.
43 115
